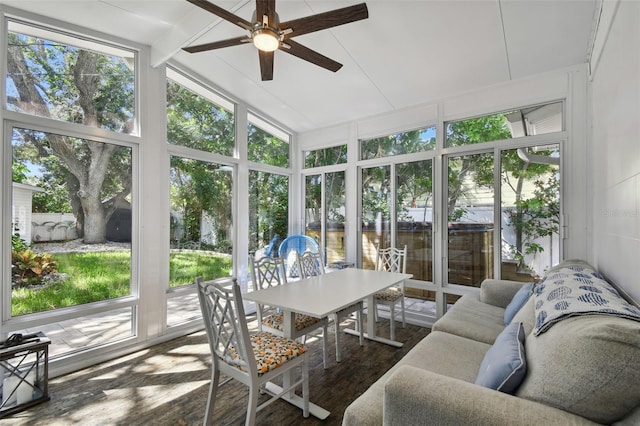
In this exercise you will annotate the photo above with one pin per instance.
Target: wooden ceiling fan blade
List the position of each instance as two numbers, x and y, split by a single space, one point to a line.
224 14
266 7
217 44
266 65
325 20
302 52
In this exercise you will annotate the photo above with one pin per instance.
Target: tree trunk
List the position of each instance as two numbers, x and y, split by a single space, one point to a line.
95 225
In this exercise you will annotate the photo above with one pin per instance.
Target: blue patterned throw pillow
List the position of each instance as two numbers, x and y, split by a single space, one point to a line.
504 365
577 290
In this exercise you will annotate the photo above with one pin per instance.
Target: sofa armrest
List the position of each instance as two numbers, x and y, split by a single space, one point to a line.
499 292
413 396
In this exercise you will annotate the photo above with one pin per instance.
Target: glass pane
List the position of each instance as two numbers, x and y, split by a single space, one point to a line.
201 223
183 308
529 121
268 208
530 211
414 188
325 156
335 216
331 223
313 206
196 122
376 212
86 332
450 299
399 143
267 144
470 211
71 221
57 76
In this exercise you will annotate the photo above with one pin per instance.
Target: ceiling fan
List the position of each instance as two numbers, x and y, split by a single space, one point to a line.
269 35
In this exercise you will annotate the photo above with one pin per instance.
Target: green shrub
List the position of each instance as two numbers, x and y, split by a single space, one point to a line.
18 244
30 268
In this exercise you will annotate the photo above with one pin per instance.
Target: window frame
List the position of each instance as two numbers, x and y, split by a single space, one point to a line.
11 119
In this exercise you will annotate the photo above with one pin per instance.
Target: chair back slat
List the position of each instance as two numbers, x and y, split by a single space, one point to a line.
392 259
225 323
295 244
266 272
309 264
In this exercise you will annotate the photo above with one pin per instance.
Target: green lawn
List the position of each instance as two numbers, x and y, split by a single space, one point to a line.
106 275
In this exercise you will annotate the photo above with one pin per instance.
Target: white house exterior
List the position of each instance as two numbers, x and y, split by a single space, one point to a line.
21 209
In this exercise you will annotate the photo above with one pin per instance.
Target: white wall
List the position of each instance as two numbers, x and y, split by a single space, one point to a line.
615 147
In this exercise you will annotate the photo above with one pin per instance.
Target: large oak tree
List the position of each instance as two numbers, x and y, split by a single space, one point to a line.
75 85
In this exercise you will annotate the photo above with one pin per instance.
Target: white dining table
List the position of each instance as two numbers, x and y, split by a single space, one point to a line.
323 295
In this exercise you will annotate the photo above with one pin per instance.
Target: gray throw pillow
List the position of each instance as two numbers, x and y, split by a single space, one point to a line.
504 365
518 301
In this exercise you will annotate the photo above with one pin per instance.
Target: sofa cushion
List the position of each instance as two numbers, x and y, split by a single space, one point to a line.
498 292
587 366
504 365
473 319
518 301
432 353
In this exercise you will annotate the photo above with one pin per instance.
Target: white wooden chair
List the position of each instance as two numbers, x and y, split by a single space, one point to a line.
391 260
310 264
268 272
295 244
251 359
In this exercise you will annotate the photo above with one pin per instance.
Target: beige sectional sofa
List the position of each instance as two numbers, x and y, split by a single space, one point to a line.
583 369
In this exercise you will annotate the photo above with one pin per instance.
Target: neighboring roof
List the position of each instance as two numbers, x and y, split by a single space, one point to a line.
27 187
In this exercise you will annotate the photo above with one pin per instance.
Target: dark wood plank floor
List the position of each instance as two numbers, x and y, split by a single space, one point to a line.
168 385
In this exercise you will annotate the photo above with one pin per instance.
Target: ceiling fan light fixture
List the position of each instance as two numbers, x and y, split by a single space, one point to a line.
265 39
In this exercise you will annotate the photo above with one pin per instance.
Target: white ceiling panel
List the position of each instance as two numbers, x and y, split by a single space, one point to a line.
546 35
407 52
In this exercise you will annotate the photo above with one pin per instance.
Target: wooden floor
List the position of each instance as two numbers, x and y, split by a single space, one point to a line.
168 384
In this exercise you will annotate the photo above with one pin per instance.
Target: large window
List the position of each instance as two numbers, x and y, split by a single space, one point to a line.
414 219
268 208
470 219
376 212
71 221
198 118
54 75
325 156
267 144
399 143
404 192
201 230
201 221
325 212
397 200
530 210
72 188
201 192
534 120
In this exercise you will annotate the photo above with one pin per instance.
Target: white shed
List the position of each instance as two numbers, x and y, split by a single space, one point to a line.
21 208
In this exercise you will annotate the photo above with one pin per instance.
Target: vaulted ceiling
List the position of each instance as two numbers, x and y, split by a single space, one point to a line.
406 53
